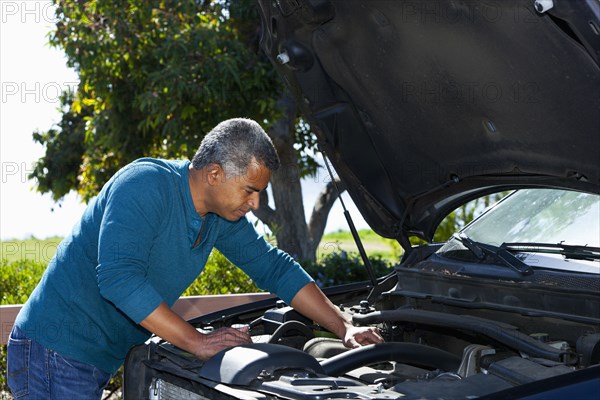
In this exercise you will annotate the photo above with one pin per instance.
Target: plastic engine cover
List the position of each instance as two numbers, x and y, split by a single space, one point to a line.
242 364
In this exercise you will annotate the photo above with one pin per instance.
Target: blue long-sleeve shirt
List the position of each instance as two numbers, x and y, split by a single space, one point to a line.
132 249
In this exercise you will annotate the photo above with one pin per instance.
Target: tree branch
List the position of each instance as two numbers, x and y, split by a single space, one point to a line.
265 213
318 217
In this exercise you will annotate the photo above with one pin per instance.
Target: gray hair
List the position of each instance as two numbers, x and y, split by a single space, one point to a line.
234 144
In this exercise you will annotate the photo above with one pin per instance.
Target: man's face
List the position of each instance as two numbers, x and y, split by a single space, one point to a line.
234 196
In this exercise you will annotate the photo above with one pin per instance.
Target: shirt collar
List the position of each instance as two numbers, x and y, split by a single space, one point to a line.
194 221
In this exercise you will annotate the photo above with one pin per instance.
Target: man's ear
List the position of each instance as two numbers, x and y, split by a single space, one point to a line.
214 174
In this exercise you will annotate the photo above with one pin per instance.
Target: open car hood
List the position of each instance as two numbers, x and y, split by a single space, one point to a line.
424 105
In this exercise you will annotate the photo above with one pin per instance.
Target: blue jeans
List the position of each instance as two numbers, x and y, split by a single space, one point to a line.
35 372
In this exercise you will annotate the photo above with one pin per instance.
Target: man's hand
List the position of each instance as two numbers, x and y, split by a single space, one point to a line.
360 336
223 338
171 327
312 303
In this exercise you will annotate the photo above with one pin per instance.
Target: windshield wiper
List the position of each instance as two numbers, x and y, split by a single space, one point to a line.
482 250
576 252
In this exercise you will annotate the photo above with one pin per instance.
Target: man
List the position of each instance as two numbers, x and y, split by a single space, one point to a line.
138 246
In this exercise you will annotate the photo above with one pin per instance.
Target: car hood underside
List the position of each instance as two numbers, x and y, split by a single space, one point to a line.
422 106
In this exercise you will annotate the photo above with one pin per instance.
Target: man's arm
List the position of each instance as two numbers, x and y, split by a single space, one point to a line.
312 303
174 329
278 273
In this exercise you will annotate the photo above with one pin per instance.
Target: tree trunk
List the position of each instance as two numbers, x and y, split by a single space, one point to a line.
320 212
287 221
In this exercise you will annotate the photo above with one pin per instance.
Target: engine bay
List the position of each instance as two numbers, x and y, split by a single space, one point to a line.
448 336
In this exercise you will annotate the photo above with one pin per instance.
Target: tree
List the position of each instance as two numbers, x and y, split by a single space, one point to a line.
155 76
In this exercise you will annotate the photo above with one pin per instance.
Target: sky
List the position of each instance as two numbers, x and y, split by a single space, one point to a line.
32 75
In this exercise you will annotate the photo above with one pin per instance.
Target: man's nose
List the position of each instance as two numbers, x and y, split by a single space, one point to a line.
254 201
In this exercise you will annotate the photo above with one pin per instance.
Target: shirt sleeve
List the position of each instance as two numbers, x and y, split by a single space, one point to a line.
130 222
270 268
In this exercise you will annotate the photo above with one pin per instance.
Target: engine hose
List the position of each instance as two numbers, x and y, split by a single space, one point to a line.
503 333
408 353
291 326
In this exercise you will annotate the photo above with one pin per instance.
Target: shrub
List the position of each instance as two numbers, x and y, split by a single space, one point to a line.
341 267
18 279
220 276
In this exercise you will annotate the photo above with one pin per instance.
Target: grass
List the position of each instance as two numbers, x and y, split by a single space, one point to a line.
42 250
374 244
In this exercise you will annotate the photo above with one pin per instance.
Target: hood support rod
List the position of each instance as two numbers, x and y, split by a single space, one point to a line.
361 249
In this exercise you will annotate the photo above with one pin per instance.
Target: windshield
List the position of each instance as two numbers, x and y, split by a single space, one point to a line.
540 216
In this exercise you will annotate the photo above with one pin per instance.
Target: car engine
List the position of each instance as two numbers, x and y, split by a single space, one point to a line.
448 335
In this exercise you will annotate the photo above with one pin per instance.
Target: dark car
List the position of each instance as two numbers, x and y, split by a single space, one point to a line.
422 106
